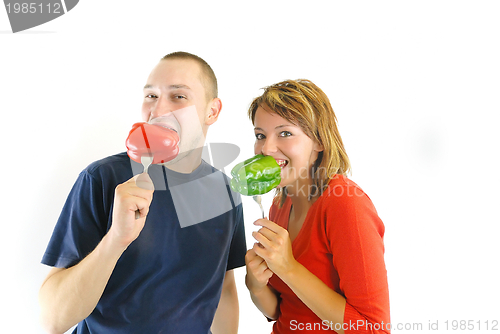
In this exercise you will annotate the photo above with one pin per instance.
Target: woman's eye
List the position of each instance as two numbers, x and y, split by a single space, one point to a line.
285 134
259 136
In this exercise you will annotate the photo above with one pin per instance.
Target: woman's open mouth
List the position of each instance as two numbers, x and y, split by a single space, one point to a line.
282 163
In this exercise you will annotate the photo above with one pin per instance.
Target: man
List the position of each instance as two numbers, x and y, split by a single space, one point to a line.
170 269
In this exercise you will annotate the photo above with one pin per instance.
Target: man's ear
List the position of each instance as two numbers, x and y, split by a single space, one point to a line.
213 113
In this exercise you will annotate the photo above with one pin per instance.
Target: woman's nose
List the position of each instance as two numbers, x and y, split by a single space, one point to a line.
269 146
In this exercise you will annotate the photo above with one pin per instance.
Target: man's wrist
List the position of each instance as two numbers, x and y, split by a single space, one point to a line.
111 247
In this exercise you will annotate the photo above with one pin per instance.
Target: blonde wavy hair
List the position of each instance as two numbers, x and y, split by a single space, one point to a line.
304 104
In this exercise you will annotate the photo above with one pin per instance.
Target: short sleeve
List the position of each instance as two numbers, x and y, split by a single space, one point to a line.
81 225
238 246
355 234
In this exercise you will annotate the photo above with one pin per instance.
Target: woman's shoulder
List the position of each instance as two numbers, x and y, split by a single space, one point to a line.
342 190
344 200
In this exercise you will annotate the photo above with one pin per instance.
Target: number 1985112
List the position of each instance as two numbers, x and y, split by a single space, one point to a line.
33 8
472 325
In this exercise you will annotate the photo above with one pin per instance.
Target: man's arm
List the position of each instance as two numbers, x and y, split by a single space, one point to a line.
227 314
67 296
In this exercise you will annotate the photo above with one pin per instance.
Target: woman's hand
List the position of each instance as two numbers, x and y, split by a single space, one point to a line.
258 273
275 247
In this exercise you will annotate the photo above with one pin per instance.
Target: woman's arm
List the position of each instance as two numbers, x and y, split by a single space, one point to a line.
355 241
328 305
258 275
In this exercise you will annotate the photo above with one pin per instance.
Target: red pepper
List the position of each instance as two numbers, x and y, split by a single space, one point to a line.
148 139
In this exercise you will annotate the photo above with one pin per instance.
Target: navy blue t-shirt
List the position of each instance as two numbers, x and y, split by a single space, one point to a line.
170 278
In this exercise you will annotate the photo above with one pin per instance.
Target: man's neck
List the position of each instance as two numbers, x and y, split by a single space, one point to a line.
188 163
184 167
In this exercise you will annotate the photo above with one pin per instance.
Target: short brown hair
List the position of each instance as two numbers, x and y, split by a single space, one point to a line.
209 80
304 104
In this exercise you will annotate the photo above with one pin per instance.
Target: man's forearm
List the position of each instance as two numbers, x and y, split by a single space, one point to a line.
70 295
227 316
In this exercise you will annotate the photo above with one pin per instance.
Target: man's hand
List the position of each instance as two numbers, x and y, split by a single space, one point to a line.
134 195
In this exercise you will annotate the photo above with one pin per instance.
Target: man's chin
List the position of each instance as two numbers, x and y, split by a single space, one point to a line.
185 160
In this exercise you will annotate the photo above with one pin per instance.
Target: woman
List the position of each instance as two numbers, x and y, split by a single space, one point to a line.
318 264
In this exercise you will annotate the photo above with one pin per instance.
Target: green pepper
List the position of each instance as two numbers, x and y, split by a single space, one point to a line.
256 176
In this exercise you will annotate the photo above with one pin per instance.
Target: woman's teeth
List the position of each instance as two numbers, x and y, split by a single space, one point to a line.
282 163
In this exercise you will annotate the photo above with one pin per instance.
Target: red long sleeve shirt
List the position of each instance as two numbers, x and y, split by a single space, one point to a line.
341 242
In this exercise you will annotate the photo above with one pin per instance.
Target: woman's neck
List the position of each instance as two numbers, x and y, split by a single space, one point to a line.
301 199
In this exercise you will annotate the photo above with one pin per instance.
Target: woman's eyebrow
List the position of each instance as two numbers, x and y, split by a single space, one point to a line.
278 127
283 126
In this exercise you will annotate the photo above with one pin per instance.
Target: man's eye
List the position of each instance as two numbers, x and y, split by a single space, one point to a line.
259 136
285 134
151 96
179 97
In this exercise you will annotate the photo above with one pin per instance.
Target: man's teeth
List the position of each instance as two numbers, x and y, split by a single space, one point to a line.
168 127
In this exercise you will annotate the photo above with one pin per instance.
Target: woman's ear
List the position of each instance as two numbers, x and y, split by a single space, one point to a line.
318 147
213 114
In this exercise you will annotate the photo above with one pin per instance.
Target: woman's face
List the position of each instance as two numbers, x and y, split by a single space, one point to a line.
294 151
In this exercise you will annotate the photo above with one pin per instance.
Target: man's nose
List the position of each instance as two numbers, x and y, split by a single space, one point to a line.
161 107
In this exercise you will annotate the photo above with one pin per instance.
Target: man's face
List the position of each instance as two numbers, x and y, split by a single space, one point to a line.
174 95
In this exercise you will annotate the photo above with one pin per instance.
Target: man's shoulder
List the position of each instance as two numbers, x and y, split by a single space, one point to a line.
216 174
108 162
118 166
209 169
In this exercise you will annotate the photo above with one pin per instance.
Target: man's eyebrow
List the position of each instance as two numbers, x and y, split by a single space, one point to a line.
180 86
170 87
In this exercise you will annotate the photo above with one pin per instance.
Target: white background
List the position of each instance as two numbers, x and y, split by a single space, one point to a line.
415 86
